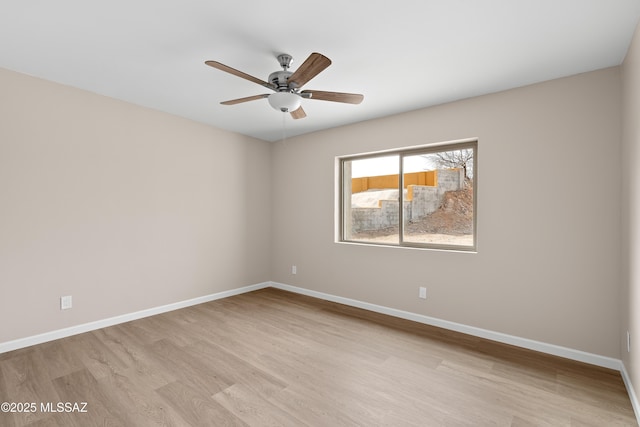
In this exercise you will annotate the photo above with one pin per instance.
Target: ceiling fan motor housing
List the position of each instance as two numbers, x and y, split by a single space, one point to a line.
280 80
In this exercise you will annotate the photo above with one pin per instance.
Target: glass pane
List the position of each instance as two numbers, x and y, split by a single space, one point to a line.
371 199
438 198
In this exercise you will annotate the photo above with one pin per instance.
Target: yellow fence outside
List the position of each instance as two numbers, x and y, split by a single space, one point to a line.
428 178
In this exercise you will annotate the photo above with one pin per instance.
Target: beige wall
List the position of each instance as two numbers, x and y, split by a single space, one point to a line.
122 207
125 208
548 261
630 297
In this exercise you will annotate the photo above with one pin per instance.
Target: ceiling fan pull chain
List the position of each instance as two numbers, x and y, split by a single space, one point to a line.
284 126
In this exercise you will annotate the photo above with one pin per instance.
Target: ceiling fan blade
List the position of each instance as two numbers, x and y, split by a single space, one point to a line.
299 113
227 69
347 98
310 68
248 98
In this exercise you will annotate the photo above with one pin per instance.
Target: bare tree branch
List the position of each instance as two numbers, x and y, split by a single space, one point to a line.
454 159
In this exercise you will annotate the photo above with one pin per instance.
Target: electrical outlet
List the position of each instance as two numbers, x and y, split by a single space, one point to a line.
294 269
628 342
66 302
422 293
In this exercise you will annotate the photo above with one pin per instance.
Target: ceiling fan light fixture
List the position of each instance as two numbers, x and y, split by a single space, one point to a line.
285 101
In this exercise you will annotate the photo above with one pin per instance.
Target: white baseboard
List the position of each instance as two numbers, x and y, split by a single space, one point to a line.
568 353
91 326
632 394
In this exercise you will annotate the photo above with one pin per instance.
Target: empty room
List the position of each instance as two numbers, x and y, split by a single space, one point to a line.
320 213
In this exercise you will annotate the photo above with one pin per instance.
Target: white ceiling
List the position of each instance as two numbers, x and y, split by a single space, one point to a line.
401 54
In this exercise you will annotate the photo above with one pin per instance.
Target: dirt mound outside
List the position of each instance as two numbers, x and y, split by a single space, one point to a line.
455 215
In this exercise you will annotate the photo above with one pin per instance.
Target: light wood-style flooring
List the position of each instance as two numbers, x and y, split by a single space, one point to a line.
272 358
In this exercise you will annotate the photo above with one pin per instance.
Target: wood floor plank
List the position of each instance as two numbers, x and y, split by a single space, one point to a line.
197 409
59 358
316 409
251 407
468 401
96 355
271 357
101 410
25 379
534 403
190 370
51 421
235 370
147 370
131 393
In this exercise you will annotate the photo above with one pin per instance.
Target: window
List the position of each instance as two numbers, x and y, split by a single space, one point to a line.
418 197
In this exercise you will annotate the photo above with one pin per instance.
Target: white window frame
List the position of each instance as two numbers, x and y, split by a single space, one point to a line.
402 153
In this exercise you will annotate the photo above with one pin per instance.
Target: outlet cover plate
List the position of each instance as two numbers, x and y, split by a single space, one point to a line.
66 302
628 342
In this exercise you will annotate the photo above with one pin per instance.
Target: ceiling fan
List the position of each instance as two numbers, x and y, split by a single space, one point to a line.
287 96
